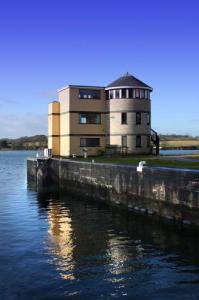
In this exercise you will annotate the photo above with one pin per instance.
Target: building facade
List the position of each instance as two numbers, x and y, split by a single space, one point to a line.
94 119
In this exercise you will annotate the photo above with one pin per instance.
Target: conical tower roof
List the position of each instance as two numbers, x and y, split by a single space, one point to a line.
128 80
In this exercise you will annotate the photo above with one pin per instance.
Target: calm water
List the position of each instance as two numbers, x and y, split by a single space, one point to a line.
57 246
179 152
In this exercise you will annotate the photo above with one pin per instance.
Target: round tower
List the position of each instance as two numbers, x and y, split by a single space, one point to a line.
129 114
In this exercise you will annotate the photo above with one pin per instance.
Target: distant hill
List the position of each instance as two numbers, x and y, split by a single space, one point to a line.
178 137
24 143
36 142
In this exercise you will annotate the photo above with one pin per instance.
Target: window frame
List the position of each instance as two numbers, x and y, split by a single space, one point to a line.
142 93
117 96
89 113
138 113
85 145
124 144
130 93
148 118
138 144
137 93
124 93
111 94
123 120
89 98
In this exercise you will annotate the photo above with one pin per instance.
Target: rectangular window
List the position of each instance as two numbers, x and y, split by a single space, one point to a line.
123 118
117 94
148 117
111 94
142 93
123 93
89 142
89 94
138 118
137 93
124 141
107 95
90 118
130 93
138 141
147 94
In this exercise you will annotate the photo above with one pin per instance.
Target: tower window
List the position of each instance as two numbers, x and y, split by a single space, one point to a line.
138 118
107 95
130 93
148 121
138 141
142 94
137 93
123 118
111 94
147 94
124 93
117 94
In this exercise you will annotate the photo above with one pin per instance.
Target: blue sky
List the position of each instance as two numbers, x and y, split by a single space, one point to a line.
45 45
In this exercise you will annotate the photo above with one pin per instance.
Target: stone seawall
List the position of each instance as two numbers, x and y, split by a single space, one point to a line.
166 192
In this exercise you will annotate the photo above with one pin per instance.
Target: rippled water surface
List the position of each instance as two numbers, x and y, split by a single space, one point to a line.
58 246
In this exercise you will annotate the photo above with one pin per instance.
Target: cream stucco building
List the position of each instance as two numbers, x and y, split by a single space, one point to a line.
97 119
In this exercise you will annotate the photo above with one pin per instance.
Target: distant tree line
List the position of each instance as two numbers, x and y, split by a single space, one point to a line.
37 142
176 137
24 143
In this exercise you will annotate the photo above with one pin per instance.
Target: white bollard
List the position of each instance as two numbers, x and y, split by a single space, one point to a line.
140 166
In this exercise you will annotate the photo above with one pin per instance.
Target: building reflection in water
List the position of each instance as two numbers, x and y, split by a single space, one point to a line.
61 240
93 242
121 254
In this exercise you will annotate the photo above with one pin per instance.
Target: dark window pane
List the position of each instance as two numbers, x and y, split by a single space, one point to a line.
137 93
147 94
124 141
142 93
89 142
138 141
111 94
89 118
124 93
117 94
148 117
124 118
82 142
130 93
89 94
138 118
107 95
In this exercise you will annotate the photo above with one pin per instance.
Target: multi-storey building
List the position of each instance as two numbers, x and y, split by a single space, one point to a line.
94 118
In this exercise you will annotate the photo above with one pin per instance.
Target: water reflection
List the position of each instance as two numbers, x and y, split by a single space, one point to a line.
91 244
61 237
65 247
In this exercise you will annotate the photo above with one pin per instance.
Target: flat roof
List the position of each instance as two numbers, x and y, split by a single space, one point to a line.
81 86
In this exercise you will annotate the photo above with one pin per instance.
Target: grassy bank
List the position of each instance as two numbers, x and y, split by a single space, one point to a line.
180 144
150 161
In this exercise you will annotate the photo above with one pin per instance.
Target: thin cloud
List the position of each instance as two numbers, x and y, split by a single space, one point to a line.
13 126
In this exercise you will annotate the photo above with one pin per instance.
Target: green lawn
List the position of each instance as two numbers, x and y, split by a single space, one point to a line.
150 161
